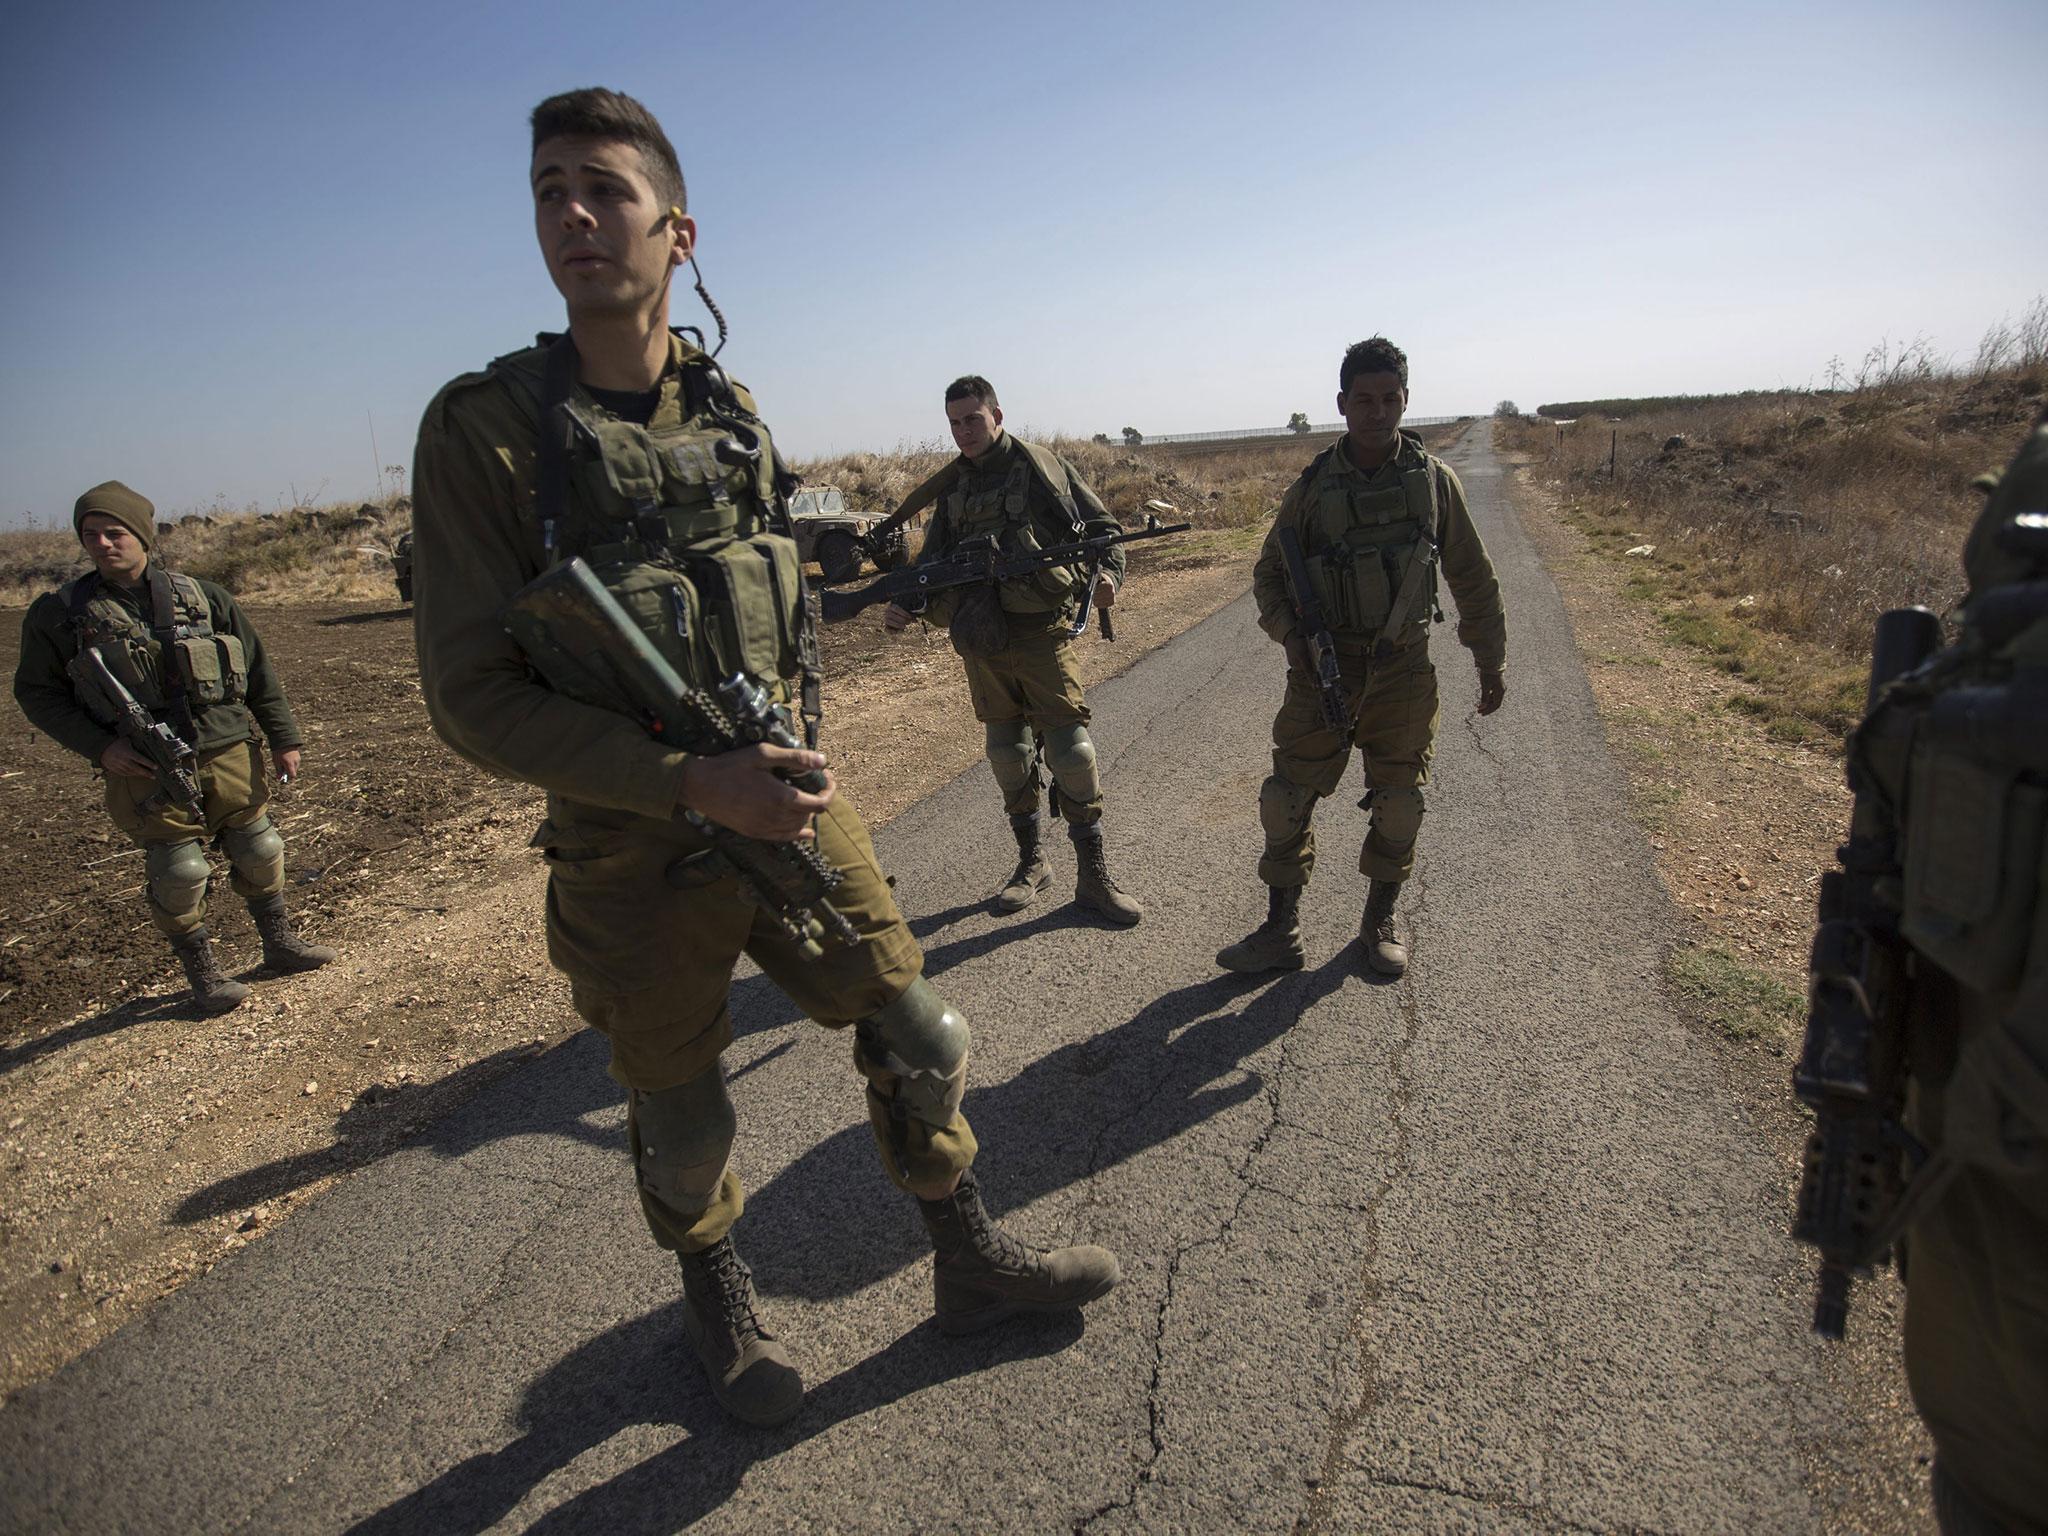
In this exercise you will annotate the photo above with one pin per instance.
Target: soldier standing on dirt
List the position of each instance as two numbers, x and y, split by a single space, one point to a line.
662 477
191 658
1015 638
1375 515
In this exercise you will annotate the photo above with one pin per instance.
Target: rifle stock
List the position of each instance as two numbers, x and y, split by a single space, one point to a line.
586 647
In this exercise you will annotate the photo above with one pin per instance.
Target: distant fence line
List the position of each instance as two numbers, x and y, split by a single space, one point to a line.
1335 426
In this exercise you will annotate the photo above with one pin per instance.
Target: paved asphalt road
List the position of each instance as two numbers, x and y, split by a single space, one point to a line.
1486 1250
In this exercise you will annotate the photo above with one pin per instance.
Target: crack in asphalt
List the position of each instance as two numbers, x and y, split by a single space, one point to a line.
1400 1092
1534 1512
1142 732
1153 1388
370 1407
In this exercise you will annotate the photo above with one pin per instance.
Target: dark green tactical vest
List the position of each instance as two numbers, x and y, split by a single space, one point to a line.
173 662
684 524
1001 509
1370 553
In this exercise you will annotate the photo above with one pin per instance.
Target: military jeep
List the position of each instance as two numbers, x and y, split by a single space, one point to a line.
831 533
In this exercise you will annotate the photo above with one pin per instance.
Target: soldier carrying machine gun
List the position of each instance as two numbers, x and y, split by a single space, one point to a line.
979 561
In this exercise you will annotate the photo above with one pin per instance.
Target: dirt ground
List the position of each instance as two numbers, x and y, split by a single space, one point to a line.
139 1143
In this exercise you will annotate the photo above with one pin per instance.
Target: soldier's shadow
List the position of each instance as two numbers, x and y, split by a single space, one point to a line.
1086 1107
372 1127
140 1010
381 616
640 1372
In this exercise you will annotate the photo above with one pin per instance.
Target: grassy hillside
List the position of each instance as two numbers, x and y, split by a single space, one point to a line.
1780 525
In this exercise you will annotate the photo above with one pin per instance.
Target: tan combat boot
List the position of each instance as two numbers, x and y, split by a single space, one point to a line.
283 950
1093 888
212 988
749 1371
982 1275
1383 952
1033 874
1275 945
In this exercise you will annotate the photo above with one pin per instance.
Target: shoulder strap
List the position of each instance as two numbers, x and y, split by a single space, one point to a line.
557 430
82 592
1052 474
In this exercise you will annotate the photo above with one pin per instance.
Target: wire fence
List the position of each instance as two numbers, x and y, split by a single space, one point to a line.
1241 432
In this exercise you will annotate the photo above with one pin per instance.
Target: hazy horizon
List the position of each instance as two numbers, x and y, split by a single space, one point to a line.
266 230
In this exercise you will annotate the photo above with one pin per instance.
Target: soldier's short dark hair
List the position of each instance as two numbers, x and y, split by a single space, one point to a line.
1375 354
972 386
596 113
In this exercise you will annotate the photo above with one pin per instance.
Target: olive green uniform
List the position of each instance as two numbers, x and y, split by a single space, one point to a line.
1972 806
649 960
216 701
1360 531
1030 684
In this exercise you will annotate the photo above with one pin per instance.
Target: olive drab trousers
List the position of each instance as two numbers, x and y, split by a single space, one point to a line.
1034 685
234 789
649 955
1396 707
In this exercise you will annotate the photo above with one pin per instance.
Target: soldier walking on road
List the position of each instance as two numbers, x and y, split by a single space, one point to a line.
624 444
189 656
1375 515
1015 639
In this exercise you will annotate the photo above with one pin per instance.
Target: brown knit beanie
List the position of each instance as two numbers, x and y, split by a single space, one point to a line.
115 500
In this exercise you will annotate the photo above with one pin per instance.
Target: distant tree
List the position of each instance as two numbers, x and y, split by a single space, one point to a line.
1100 437
1298 422
1506 409
1133 438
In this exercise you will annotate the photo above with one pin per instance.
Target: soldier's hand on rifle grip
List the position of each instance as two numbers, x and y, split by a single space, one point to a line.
1105 592
746 792
1493 691
896 618
125 760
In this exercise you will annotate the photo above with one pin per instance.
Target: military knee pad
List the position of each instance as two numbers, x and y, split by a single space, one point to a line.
1011 754
256 851
682 1138
176 874
1397 815
914 1050
1284 808
1071 755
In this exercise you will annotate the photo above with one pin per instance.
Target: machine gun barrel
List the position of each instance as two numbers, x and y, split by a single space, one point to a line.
979 561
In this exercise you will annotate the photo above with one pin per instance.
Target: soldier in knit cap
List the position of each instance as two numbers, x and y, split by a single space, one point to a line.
186 653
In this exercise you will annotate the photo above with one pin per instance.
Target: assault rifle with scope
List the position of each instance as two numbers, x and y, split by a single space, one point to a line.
108 699
586 647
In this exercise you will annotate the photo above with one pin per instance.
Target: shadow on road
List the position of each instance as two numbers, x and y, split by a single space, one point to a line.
364 1132
1087 1106
641 1373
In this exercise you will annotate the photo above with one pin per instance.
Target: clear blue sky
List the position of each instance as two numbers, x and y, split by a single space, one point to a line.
244 232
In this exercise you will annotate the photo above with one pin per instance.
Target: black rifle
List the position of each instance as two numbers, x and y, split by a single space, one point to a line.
1315 633
979 560
176 764
1852 1066
586 647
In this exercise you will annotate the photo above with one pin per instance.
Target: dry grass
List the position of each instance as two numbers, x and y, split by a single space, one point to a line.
1782 525
337 553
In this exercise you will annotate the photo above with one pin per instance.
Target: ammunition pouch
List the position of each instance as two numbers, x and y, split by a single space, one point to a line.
978 626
